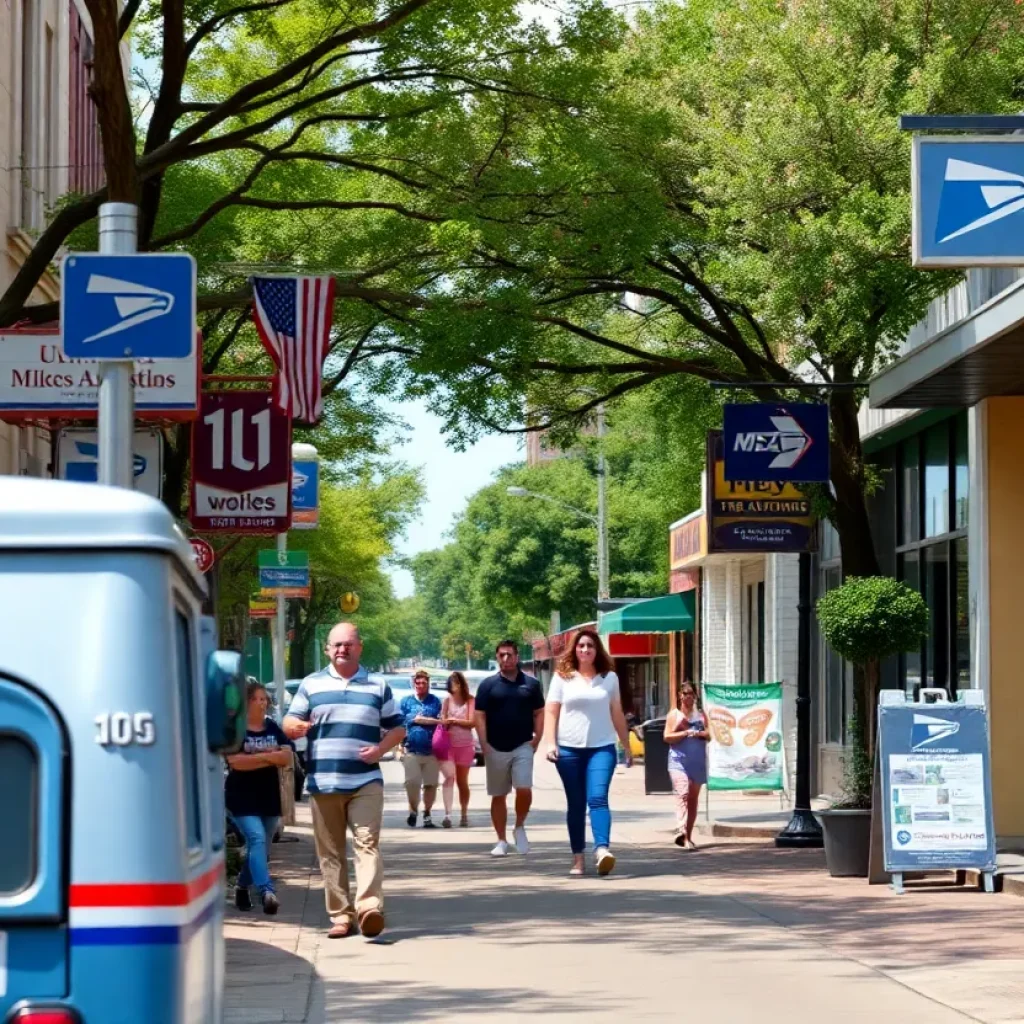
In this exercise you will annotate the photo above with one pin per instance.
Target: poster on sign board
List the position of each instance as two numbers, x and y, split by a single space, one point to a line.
746 746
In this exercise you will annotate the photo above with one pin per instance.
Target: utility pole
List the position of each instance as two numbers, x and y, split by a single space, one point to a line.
602 510
116 428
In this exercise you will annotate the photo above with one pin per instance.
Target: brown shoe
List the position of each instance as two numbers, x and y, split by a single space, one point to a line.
341 931
371 923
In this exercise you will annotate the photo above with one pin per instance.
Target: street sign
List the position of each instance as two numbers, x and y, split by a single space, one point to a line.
262 609
289 592
37 379
241 464
280 578
968 201
936 784
78 454
305 494
203 553
768 441
132 306
270 558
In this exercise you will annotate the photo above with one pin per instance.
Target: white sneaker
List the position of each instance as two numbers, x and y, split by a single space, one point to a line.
522 843
605 860
501 849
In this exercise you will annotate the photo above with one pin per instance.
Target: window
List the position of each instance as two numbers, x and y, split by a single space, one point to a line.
910 492
29 115
835 678
19 798
936 596
936 481
189 750
910 663
961 615
963 476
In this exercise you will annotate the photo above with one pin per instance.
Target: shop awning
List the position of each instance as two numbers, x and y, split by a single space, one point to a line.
670 614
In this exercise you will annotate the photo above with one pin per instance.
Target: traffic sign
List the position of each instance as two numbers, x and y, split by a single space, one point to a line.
241 464
133 306
203 553
279 578
270 558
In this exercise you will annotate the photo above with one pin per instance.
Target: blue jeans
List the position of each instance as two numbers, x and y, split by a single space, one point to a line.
258 833
586 775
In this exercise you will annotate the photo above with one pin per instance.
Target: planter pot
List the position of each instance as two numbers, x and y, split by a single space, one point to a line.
847 835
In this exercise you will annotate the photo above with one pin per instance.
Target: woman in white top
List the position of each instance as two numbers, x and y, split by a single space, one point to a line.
582 719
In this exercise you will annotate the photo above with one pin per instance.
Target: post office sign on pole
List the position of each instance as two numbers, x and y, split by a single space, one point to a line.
78 458
241 464
776 442
968 200
305 494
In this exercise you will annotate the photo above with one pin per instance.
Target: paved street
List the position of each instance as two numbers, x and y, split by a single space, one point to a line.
734 932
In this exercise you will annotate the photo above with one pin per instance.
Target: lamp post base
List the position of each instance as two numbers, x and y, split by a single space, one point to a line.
802 832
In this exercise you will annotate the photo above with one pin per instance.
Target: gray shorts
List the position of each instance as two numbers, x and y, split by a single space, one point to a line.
507 770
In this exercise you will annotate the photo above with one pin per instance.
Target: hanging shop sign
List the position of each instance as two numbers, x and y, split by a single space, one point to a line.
753 515
262 609
968 201
779 443
936 781
37 379
305 494
746 749
241 464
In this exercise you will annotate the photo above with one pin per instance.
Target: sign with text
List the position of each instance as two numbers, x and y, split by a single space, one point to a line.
768 441
241 464
305 494
203 553
753 515
78 458
37 379
936 787
968 200
746 748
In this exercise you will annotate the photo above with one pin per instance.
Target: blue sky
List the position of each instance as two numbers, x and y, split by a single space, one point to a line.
450 477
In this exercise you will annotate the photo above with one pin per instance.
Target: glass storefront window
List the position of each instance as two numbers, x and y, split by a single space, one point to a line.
910 663
936 596
961 617
936 481
963 476
910 492
835 678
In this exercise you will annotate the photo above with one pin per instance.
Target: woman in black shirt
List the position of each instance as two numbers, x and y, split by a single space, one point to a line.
253 797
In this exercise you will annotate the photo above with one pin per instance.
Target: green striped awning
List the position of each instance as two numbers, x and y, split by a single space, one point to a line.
673 613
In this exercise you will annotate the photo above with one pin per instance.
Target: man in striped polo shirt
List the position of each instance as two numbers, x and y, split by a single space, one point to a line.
352 721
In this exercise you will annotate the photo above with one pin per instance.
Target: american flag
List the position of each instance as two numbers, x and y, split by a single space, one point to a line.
293 318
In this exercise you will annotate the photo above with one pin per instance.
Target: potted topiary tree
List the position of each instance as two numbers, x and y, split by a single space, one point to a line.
866 619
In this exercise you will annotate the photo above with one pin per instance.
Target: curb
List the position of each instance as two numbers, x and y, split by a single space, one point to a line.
717 830
1012 885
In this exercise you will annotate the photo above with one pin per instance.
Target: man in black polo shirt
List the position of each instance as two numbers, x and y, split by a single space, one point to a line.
510 723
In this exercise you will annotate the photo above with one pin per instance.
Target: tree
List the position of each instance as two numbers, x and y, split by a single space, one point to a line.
733 206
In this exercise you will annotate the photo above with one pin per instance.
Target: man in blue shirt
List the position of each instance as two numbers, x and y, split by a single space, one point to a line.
421 713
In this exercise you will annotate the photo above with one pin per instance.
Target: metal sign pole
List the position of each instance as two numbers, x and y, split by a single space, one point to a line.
118 237
280 634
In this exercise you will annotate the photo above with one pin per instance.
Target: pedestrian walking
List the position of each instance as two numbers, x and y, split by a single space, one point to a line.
583 718
509 717
252 796
421 713
351 722
457 713
686 733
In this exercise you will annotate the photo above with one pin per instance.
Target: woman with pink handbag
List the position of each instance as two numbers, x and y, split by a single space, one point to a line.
454 736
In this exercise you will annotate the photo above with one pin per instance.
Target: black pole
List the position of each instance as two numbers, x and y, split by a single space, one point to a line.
803 830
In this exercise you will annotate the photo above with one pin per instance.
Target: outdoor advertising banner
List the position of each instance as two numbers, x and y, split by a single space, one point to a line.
753 515
936 787
746 749
305 494
241 464
37 379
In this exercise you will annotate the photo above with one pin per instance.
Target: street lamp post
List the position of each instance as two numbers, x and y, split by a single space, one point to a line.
602 511
600 521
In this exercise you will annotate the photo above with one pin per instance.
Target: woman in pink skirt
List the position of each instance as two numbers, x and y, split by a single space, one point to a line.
457 717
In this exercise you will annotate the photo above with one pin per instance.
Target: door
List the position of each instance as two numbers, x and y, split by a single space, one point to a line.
34 765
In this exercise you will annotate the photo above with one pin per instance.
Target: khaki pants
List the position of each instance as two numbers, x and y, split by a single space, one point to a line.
333 815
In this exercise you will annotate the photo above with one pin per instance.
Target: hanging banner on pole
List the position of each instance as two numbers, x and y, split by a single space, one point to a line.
305 494
745 750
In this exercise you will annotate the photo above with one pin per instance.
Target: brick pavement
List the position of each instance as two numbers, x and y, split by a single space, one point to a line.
730 932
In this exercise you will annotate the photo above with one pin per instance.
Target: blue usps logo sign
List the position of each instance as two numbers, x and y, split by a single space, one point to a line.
903 837
780 443
305 484
968 200
930 730
138 306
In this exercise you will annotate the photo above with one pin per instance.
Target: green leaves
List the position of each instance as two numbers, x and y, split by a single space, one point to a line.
872 617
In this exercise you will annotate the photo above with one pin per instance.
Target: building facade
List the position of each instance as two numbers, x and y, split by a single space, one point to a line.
49 146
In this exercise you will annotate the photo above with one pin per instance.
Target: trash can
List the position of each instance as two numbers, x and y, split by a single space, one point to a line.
656 778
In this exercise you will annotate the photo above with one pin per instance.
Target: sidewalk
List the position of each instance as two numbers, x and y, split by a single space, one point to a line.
734 932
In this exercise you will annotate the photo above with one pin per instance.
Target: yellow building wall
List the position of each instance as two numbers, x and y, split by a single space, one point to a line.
1005 430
